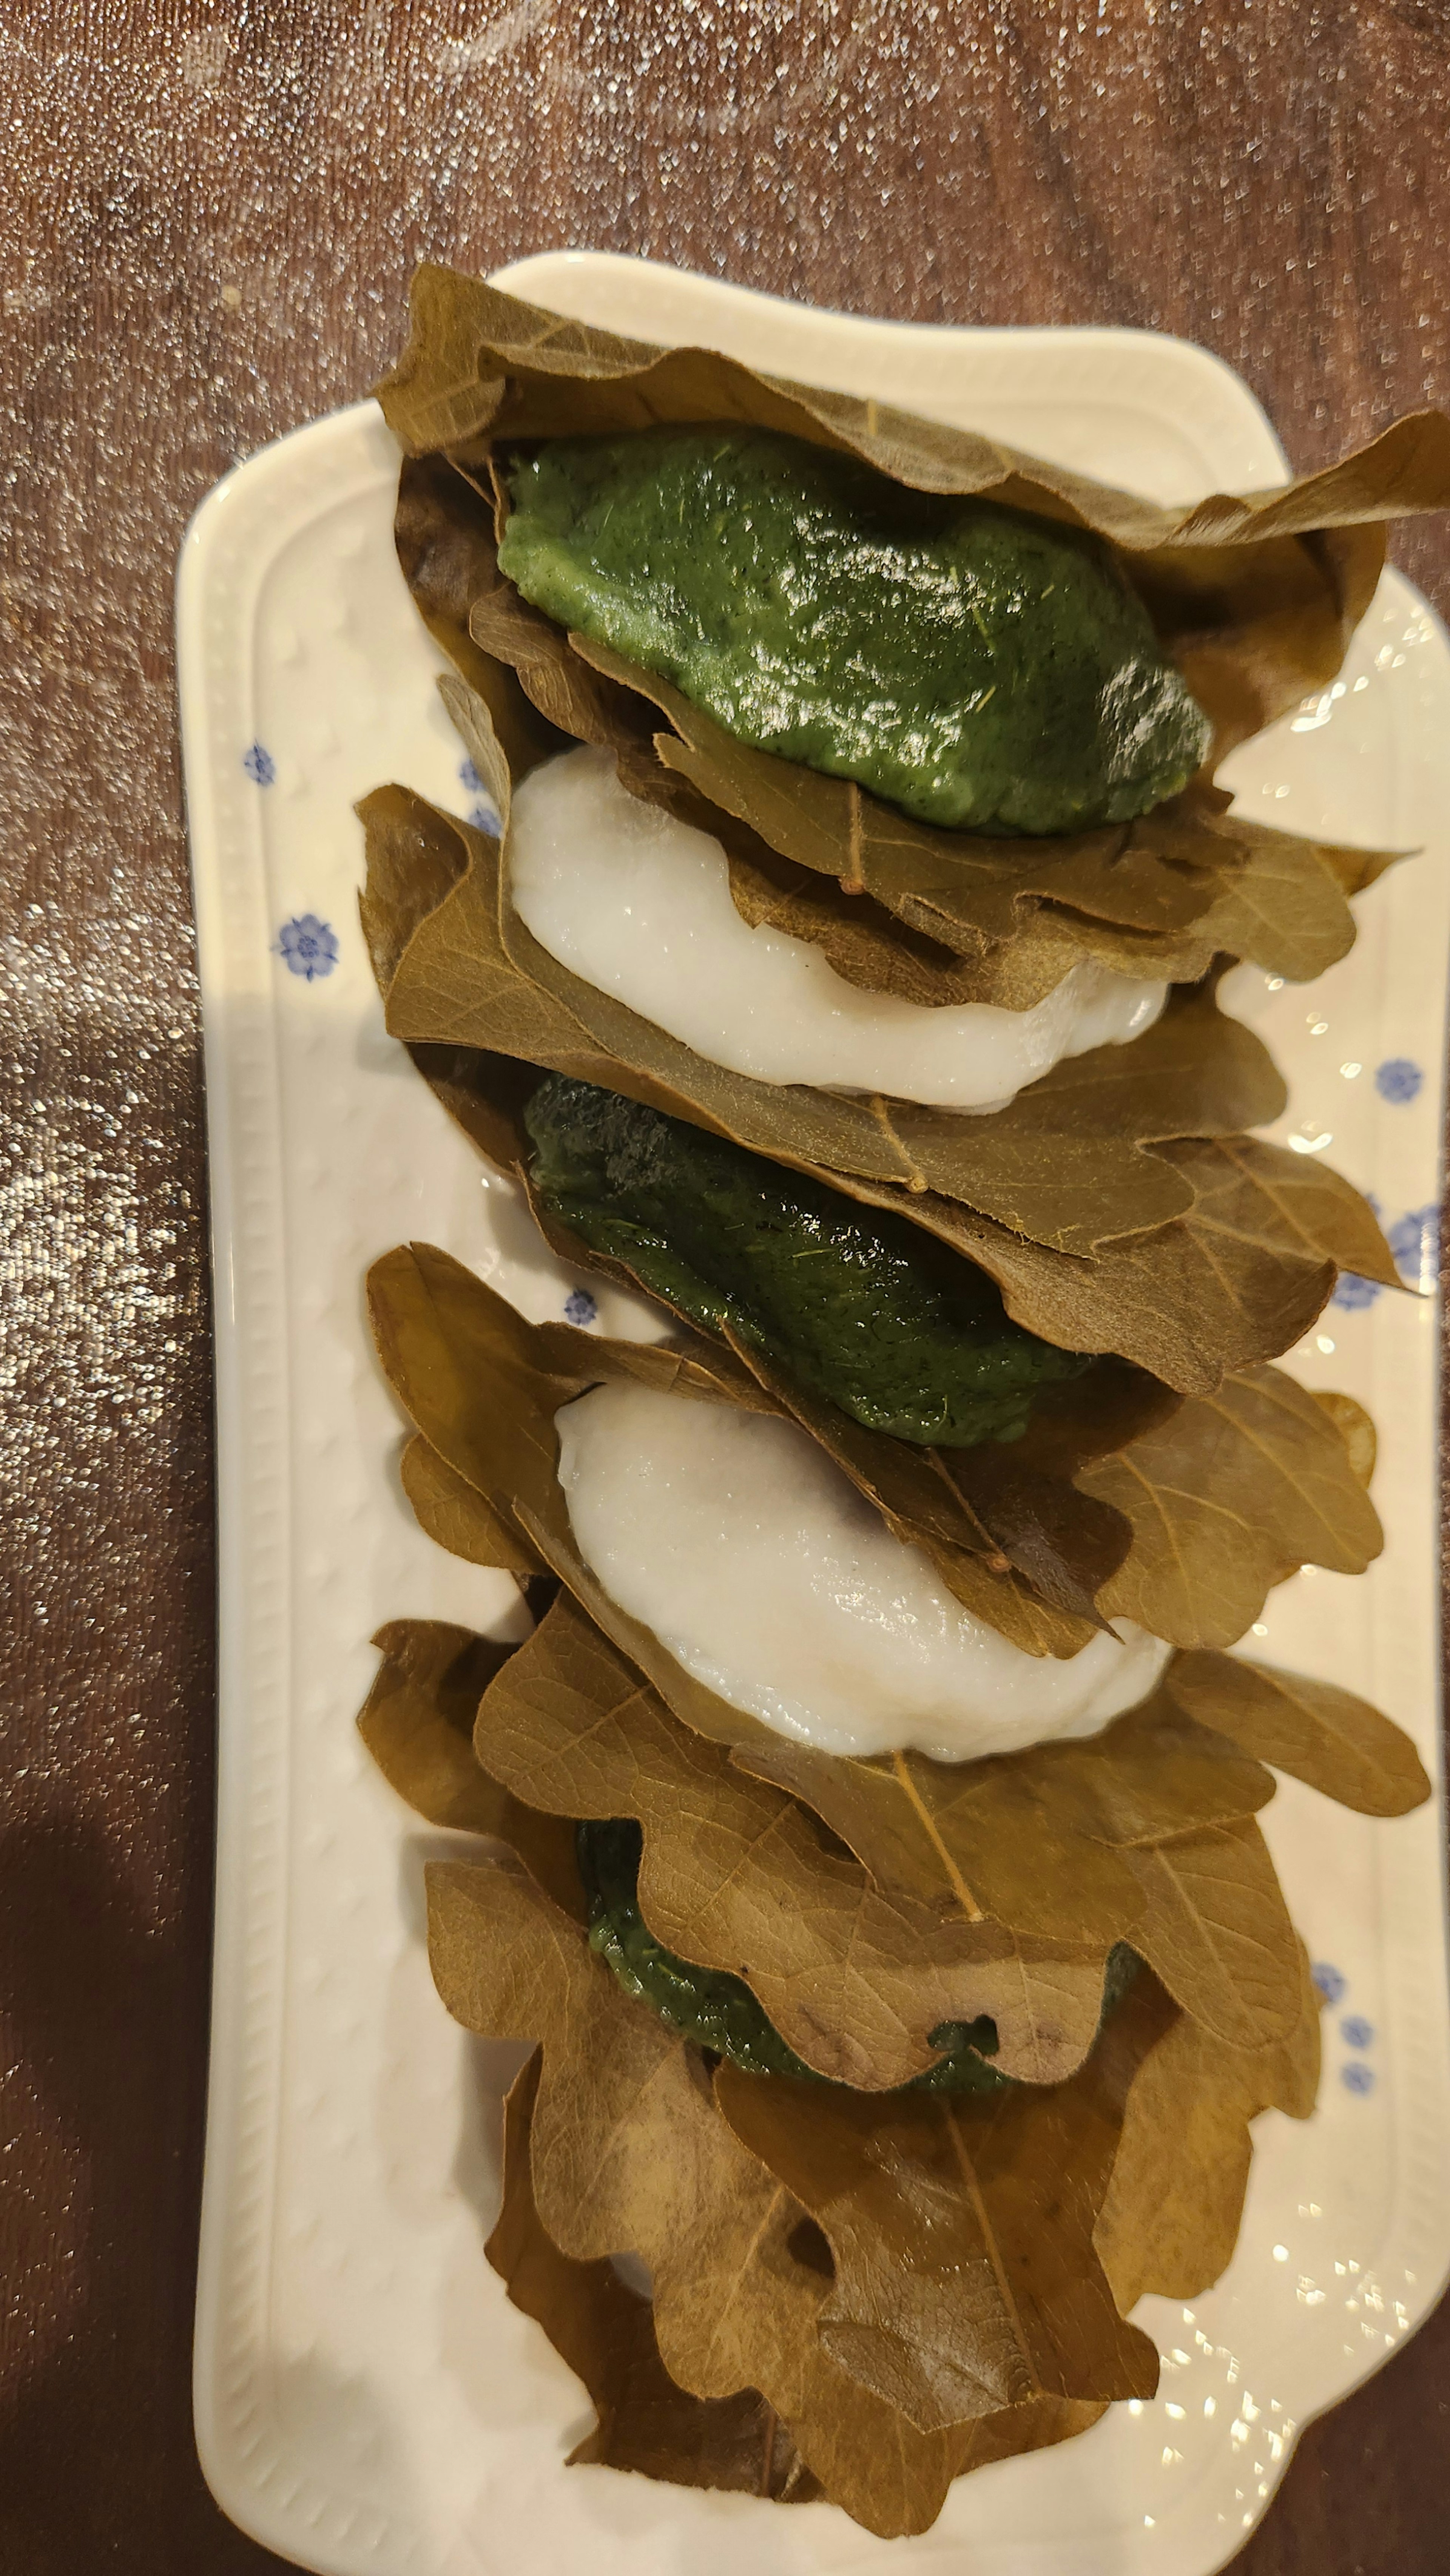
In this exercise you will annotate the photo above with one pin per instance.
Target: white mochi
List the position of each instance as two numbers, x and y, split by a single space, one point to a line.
639 905
769 1577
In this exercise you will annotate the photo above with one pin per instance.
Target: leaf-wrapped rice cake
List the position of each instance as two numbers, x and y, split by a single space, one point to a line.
803 2336
860 1308
975 666
1201 1510
1238 608
1189 1247
639 902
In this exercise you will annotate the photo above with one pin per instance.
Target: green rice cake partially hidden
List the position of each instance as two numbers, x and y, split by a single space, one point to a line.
980 668
855 1304
718 2011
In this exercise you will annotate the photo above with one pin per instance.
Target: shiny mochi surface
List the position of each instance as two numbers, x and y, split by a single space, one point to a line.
979 667
772 1580
638 904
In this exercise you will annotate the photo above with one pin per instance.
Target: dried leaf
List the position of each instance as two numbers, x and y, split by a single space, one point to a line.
417 1723
957 2258
871 948
579 703
1286 909
483 364
455 1515
1235 1279
1216 1931
1230 1496
1160 897
604 2330
415 859
1355 1428
940 916
1170 2220
629 2152
1141 1834
961 2228
1315 1731
737 1875
445 541
867 2458
1150 875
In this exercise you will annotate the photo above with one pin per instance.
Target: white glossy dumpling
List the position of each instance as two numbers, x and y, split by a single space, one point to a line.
639 905
769 1577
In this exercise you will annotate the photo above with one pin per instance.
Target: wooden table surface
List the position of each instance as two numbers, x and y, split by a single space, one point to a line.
211 221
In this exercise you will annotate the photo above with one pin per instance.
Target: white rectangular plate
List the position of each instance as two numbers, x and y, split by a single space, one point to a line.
366 2400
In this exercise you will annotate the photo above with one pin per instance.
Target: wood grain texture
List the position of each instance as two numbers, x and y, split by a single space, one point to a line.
210 221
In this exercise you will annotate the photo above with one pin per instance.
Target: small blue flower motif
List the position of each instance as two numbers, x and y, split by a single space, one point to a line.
1330 1981
259 765
1414 1239
579 1307
1353 1293
1399 1080
1356 2077
482 816
307 946
1356 2033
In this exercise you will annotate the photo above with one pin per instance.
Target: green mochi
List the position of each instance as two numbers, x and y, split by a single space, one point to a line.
980 668
853 1303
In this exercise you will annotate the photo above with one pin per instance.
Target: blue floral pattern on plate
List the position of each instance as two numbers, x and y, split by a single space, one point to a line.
259 765
1398 1080
1351 1293
1354 2030
307 946
1414 1239
579 1307
483 815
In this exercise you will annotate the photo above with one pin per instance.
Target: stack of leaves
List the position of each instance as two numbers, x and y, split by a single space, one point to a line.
1119 1502
858 2291
842 2258
1255 599
1117 1203
864 2286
